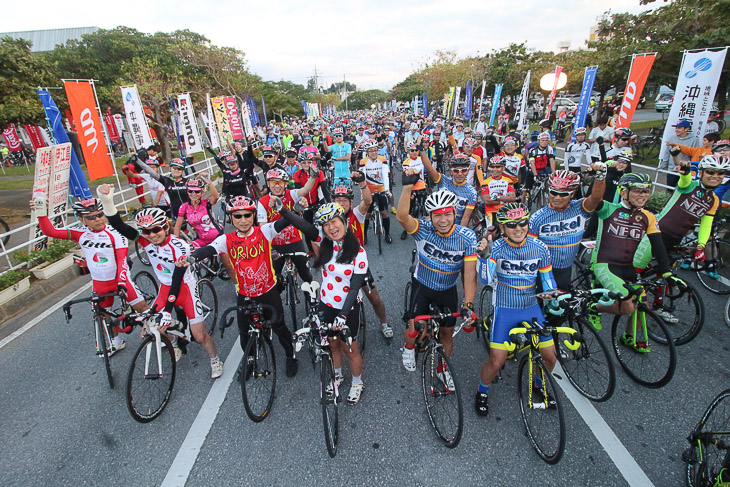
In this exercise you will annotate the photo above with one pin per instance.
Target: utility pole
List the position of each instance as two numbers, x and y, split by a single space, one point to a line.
344 88
316 81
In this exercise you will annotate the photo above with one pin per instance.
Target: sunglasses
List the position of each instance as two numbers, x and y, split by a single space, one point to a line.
238 216
267 156
412 150
513 225
460 171
93 217
195 191
150 231
562 194
277 182
714 172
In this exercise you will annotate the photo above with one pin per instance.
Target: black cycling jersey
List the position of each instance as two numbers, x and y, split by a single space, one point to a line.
236 184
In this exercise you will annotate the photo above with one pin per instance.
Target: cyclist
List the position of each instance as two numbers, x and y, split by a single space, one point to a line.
157 190
310 148
517 261
577 151
469 144
412 136
291 166
105 251
545 126
198 212
413 161
164 249
603 132
376 171
542 159
133 167
514 163
560 224
466 195
496 190
444 250
621 143
175 184
237 181
341 155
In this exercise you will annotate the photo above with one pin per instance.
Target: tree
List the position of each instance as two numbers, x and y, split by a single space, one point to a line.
337 87
362 100
408 88
21 73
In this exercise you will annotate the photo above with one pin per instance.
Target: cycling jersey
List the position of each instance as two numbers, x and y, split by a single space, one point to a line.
411 163
308 149
266 214
156 187
441 258
340 150
411 137
376 174
336 277
202 220
163 257
512 165
541 157
620 229
561 231
689 202
494 188
383 152
466 195
516 269
575 153
301 177
235 182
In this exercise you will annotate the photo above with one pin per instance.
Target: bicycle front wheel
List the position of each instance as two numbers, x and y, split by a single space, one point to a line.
589 368
329 400
717 277
103 344
544 423
141 253
151 379
291 293
259 383
209 302
362 330
648 363
709 459
442 396
486 313
727 312
684 314
378 224
146 285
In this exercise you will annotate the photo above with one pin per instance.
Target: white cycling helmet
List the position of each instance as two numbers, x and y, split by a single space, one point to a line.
368 144
441 200
715 161
151 217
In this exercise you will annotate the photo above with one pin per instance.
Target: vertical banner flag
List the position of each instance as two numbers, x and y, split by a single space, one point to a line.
481 99
394 105
456 102
246 118
234 118
36 138
468 102
638 73
425 104
111 127
263 107
306 109
135 117
696 86
212 129
11 137
558 70
522 122
79 187
495 103
189 127
81 99
450 101
119 122
53 165
221 120
585 99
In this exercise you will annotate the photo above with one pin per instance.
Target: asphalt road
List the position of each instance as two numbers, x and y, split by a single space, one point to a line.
62 425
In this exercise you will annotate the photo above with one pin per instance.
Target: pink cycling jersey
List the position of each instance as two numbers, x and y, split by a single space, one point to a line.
201 219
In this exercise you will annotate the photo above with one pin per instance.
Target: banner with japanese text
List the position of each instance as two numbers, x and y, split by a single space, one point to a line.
12 139
81 99
585 99
425 104
210 124
221 120
36 136
455 105
234 117
495 103
696 85
522 121
111 127
449 101
119 122
51 183
638 73
189 127
136 120
468 102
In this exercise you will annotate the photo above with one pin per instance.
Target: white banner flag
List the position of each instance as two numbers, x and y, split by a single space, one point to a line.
212 130
119 122
456 100
522 122
135 117
189 127
52 169
696 85
246 116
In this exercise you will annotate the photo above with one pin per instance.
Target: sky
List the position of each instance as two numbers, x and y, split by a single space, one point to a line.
374 44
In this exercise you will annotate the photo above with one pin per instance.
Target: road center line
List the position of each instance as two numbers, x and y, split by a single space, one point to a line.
188 453
620 456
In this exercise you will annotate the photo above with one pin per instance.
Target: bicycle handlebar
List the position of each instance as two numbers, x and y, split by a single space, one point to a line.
93 298
249 308
438 316
519 334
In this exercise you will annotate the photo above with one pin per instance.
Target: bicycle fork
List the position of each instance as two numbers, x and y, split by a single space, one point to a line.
531 386
102 337
148 352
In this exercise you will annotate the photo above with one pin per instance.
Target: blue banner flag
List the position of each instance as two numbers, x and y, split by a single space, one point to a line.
77 183
495 103
585 99
263 106
425 104
306 108
468 102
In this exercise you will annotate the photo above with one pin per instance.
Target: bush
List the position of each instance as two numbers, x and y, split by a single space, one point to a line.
657 201
55 251
10 278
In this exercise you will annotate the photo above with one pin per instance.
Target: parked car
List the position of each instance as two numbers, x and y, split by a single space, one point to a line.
663 102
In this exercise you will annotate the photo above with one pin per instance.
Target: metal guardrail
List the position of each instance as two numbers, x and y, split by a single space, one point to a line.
122 197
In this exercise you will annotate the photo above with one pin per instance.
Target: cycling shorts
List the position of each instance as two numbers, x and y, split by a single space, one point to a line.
423 296
381 200
505 319
369 280
353 317
613 277
105 287
188 300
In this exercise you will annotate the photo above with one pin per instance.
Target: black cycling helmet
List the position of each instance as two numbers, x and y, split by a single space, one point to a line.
634 180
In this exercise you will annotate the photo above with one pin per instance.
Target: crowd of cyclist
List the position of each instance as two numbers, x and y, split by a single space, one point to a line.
292 192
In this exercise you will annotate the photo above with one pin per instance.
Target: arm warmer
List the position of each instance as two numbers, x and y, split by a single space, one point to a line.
177 278
356 282
149 170
705 229
125 230
291 218
659 252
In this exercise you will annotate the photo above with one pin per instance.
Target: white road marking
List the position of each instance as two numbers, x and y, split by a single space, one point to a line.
187 455
620 456
43 315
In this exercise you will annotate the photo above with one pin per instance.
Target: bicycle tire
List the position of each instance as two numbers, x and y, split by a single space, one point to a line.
486 313
209 300
138 384
101 332
551 451
635 364
711 458
721 125
727 312
362 330
438 397
147 286
407 302
589 368
721 250
4 229
378 227
329 399
259 368
690 313
141 254
291 293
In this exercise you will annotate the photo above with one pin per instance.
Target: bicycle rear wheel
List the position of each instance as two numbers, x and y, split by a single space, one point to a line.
149 386
717 279
147 286
653 368
103 344
407 301
708 459
378 226
141 253
209 301
727 312
291 293
329 401
362 330
259 384
686 308
589 368
486 312
545 425
443 401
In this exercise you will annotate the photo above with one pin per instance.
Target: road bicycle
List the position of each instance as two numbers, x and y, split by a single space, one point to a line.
648 146
441 390
540 405
147 286
289 277
537 197
377 223
318 337
407 293
258 371
210 268
714 272
708 457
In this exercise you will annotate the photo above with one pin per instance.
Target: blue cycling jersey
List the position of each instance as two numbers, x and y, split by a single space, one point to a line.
561 231
515 269
342 168
465 193
441 258
383 151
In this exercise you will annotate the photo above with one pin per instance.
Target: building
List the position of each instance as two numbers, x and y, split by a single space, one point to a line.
593 32
47 40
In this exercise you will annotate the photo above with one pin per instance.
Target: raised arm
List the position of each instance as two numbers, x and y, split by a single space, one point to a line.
432 172
409 224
